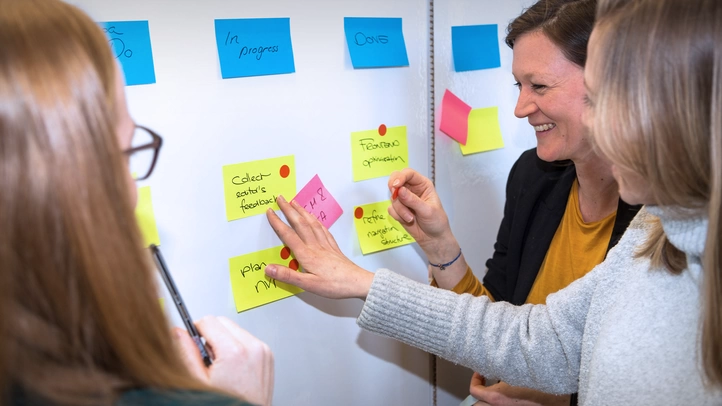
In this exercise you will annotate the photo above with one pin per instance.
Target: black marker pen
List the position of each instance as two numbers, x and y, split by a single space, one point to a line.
178 300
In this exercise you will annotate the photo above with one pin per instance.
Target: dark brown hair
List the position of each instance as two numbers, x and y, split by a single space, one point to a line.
84 321
567 23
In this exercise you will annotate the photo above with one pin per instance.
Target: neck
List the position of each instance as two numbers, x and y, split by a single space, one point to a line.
598 191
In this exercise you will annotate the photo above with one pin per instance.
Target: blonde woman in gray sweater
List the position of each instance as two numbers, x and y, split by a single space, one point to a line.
645 326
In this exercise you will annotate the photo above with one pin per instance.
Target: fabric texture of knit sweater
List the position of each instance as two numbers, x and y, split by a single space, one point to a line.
622 334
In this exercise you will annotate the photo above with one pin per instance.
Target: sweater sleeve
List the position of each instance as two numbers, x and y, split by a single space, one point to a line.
532 346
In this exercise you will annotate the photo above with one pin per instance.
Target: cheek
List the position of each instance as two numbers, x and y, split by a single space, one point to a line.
132 190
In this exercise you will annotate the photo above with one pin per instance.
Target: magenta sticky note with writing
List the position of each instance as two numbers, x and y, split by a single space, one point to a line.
318 201
454 117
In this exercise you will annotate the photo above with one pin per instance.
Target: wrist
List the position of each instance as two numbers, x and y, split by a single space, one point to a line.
442 250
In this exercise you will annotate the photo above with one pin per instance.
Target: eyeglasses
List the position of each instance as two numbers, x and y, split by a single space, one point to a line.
143 152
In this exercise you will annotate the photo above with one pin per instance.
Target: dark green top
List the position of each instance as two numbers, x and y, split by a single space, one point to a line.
177 398
146 397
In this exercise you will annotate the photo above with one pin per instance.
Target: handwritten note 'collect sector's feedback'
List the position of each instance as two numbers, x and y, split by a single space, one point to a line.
318 201
250 188
130 43
254 47
377 230
379 152
251 287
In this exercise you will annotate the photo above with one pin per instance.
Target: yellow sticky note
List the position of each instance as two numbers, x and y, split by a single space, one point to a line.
377 230
146 219
250 188
251 286
379 152
484 131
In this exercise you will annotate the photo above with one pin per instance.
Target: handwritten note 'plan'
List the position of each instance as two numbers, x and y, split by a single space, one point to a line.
254 47
475 47
379 152
454 117
145 217
251 287
377 230
484 131
250 188
130 43
375 42
318 201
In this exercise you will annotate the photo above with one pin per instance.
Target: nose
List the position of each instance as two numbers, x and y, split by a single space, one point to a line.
525 104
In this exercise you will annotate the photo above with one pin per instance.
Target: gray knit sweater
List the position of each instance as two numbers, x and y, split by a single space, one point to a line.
624 334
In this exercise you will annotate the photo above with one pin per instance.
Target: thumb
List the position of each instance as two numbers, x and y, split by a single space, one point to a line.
414 202
190 355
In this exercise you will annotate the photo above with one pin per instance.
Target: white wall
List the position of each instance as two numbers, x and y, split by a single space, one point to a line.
472 187
322 357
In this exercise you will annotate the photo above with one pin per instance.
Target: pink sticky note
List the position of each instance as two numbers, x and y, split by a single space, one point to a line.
318 201
455 117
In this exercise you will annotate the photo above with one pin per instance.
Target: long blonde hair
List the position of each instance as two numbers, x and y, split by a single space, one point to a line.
659 111
85 322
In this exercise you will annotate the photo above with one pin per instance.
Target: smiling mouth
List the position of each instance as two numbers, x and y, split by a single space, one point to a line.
544 127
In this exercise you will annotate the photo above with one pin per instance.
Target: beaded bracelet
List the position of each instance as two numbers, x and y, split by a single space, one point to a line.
443 266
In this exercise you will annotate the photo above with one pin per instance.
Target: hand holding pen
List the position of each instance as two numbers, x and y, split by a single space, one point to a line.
242 364
231 359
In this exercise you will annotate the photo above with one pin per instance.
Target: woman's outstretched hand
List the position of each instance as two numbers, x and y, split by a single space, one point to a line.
327 271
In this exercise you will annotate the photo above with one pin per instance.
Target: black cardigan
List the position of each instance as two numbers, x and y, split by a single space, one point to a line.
536 198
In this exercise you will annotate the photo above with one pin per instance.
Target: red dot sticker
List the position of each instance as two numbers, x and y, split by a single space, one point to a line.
293 265
285 171
359 212
382 130
285 253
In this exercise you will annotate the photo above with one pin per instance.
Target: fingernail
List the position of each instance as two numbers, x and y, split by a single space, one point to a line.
409 218
396 183
294 203
280 197
271 271
403 191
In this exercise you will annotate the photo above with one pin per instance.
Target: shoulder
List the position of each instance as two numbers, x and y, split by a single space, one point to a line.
177 398
530 169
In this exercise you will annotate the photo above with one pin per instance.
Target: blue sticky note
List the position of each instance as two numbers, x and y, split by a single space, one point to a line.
475 47
375 42
254 47
130 43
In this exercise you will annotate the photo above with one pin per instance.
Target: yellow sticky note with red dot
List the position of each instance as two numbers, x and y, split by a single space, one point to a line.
377 153
250 188
145 217
251 287
377 230
484 131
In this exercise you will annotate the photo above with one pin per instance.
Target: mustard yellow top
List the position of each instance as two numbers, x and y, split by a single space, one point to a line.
576 248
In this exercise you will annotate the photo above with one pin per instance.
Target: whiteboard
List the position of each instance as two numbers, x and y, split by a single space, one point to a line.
472 188
322 357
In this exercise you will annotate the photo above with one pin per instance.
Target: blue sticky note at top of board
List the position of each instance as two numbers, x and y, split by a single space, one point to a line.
475 47
254 47
130 43
375 42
